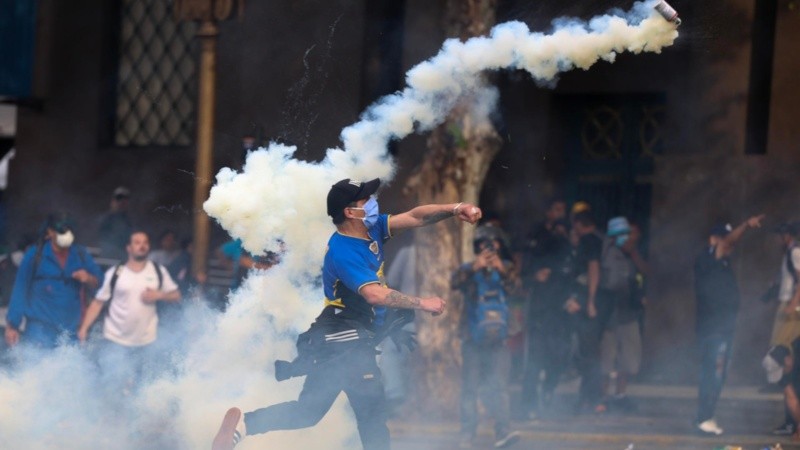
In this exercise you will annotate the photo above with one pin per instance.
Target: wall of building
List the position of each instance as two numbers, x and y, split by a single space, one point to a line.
703 175
300 87
715 182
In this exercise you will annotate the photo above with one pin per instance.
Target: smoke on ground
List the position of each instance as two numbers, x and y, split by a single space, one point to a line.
277 203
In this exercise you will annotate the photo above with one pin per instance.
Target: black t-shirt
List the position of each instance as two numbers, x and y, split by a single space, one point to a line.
545 246
717 294
553 251
545 249
590 248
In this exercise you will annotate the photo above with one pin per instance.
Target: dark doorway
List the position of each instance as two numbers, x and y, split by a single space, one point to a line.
609 142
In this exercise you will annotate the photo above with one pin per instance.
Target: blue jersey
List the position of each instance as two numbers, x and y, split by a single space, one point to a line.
351 263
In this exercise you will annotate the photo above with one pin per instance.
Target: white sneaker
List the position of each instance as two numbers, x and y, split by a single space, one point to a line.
710 427
506 439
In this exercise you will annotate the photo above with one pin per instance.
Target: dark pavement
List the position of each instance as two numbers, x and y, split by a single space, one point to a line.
662 419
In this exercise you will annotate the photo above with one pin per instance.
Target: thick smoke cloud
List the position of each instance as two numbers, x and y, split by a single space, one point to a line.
278 203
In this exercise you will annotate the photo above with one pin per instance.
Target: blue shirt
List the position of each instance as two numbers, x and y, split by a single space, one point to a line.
351 263
233 251
51 295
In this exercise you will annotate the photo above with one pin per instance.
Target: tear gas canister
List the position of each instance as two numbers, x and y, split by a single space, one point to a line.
668 12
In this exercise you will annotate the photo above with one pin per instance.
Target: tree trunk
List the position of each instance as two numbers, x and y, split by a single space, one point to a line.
453 170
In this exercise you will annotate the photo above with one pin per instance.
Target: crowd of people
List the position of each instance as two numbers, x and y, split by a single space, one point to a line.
583 296
581 287
583 293
60 291
588 284
56 290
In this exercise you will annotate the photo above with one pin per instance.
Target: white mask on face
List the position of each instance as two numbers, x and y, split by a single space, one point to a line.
65 240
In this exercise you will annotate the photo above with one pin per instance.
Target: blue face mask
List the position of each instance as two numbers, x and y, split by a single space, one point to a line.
371 212
621 240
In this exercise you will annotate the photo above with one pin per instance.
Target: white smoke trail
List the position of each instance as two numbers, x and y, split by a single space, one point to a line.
238 200
227 359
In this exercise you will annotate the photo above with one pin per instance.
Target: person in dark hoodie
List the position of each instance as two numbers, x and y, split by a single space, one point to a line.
717 295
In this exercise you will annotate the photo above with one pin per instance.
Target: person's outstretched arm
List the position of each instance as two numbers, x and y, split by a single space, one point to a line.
429 214
733 237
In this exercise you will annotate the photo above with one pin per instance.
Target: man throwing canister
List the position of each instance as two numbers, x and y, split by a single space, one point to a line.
338 352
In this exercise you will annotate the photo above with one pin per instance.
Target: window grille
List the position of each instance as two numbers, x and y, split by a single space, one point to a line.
155 88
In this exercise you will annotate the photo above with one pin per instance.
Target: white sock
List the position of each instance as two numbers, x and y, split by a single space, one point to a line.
241 428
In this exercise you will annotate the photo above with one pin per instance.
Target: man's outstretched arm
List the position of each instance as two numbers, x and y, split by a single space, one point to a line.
430 214
733 237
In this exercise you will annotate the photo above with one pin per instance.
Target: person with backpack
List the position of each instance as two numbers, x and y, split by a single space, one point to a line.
788 294
54 278
786 326
128 297
484 329
782 370
621 345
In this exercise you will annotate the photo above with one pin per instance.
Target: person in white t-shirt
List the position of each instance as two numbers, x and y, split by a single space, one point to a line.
131 323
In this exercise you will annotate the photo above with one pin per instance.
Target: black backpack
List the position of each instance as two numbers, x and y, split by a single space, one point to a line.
117 271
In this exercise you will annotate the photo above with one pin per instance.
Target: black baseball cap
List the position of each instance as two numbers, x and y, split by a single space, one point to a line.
347 191
721 230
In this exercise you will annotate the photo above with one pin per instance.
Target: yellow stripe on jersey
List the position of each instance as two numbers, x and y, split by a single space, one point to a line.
337 303
380 274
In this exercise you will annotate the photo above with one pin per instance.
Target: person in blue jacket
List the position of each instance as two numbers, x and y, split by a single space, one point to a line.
53 280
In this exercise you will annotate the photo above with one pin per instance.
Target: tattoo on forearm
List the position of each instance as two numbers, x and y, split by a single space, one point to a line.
396 299
436 217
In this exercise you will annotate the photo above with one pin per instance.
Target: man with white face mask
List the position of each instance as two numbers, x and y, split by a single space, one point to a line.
337 354
53 279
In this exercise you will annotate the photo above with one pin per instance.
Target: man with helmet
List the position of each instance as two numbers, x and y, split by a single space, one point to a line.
54 279
486 358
